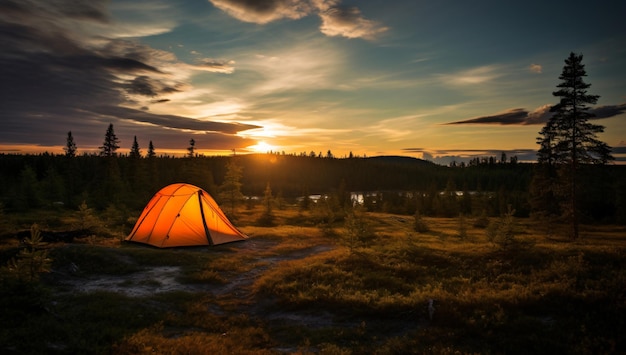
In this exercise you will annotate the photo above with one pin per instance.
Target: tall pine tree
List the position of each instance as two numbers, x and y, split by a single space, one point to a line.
151 152
135 151
568 141
111 143
70 146
192 148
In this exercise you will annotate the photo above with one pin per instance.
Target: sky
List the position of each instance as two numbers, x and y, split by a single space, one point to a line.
440 80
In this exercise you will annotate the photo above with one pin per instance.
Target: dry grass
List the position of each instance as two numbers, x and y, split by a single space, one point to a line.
280 292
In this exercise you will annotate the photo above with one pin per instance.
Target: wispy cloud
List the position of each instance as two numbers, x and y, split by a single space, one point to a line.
337 20
474 76
263 11
215 65
535 68
302 67
349 23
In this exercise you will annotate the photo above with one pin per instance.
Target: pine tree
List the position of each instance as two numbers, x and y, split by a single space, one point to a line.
267 217
568 140
135 152
111 143
151 152
230 190
192 148
70 146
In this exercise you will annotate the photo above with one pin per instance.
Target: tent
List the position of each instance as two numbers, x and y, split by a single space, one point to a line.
183 215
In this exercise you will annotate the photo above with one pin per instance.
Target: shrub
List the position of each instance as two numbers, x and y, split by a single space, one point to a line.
462 227
419 225
358 230
482 221
502 231
32 260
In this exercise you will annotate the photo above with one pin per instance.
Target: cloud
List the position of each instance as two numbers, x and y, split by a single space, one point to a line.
472 76
172 121
146 86
62 68
349 23
535 68
215 65
609 110
263 11
336 20
512 116
304 67
540 115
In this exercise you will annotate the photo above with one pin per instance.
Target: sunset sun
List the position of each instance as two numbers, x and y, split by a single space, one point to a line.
262 147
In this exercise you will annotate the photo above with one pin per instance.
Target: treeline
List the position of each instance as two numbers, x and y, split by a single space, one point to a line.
390 184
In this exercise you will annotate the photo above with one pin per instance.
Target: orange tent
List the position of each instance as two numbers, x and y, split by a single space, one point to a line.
183 215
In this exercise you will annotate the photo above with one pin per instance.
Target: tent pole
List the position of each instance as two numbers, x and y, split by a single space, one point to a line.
206 228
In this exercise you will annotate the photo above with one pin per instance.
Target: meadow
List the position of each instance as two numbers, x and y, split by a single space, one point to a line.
358 285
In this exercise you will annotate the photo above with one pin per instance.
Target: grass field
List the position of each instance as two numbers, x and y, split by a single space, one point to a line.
297 288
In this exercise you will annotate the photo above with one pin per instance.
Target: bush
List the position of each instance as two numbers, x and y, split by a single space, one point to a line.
482 221
358 230
462 227
502 231
32 260
419 225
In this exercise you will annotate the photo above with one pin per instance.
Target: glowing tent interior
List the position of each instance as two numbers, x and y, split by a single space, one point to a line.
183 215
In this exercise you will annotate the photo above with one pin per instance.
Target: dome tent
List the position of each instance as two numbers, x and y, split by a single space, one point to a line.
183 215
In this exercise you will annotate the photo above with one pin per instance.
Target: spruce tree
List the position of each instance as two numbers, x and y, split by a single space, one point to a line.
135 152
151 152
192 148
70 146
111 143
568 140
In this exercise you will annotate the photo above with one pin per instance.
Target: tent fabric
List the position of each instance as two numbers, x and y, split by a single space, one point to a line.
183 215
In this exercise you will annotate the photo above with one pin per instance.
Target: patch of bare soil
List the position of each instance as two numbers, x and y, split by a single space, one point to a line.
148 282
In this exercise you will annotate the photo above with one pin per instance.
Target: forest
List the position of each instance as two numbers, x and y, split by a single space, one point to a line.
391 184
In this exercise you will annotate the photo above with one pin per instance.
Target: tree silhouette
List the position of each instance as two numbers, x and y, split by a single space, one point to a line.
70 146
568 140
151 153
111 143
192 148
135 152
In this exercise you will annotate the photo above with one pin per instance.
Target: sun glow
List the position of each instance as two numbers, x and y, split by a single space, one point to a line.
262 147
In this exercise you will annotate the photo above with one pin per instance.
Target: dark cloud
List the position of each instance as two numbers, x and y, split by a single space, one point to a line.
146 86
58 77
513 116
609 111
171 121
519 116
77 9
